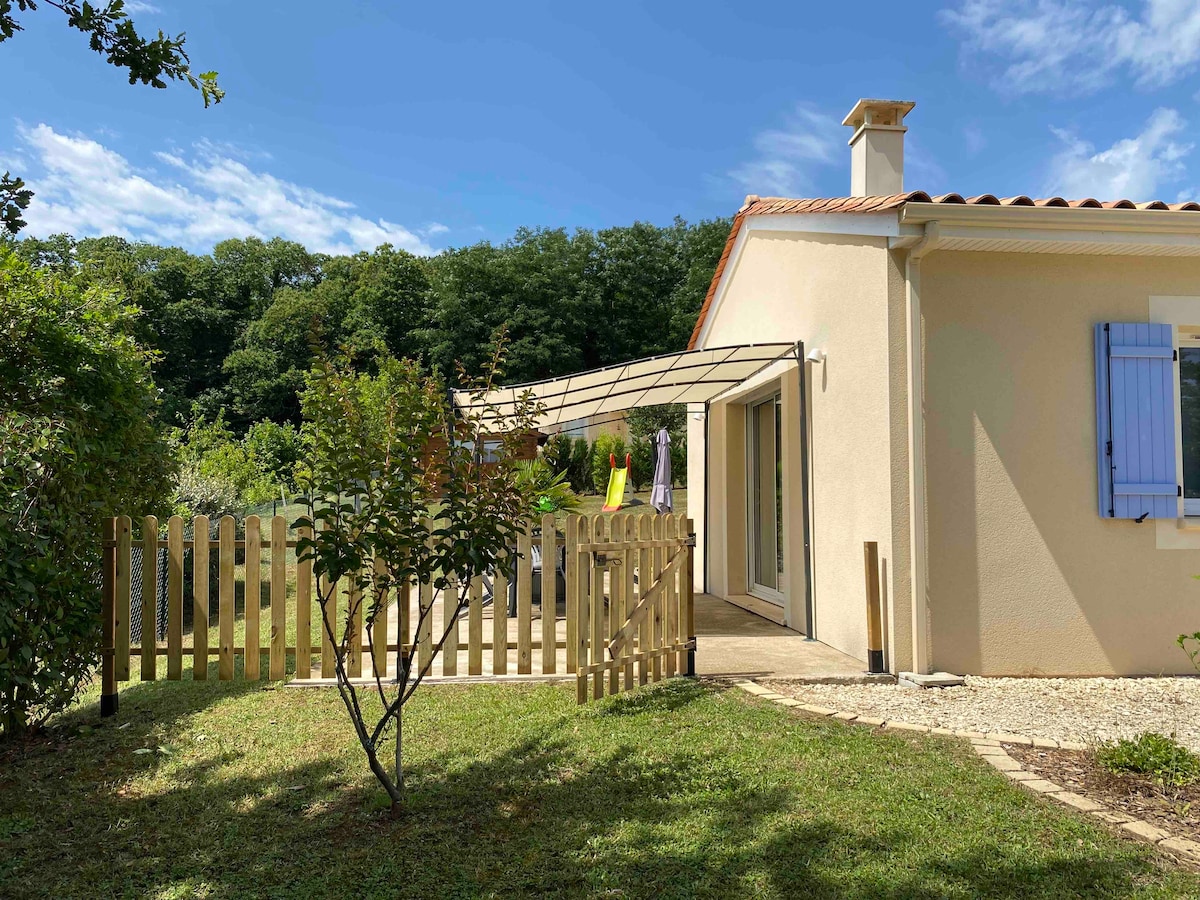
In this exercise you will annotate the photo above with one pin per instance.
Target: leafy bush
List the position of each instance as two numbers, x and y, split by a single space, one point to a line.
557 453
606 445
200 494
641 451
580 471
1155 755
78 442
275 450
544 490
1190 644
679 458
256 466
647 420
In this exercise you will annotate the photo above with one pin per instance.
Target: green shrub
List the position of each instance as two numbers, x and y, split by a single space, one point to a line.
557 453
1190 644
256 466
647 420
606 445
642 452
199 494
275 450
679 458
78 441
580 471
1160 757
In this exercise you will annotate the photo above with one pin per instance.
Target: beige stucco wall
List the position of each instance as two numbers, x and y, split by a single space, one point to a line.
1024 576
834 293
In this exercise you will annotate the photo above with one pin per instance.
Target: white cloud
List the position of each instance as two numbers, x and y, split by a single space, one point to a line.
1137 168
974 139
1077 46
84 188
787 157
133 7
434 228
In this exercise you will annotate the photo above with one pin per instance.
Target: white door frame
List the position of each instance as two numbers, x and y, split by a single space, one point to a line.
771 393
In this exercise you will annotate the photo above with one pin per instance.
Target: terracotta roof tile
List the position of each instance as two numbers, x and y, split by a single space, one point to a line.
761 206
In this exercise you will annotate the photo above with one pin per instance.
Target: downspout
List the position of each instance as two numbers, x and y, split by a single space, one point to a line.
918 563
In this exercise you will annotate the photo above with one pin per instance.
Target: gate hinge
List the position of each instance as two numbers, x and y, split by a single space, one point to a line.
691 540
601 559
1108 448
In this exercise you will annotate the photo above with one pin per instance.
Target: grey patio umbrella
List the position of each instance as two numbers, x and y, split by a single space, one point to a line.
660 495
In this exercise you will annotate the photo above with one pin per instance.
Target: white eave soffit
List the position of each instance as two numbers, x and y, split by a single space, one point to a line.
1006 229
1091 232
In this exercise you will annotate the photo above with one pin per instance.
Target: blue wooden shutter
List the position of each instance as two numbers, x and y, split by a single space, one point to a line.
1135 406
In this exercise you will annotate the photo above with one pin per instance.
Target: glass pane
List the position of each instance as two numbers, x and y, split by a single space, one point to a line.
1189 413
765 496
778 494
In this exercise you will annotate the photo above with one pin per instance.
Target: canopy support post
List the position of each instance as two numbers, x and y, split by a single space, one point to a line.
809 625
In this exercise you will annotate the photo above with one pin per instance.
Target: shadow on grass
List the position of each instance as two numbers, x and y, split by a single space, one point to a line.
160 702
581 803
667 696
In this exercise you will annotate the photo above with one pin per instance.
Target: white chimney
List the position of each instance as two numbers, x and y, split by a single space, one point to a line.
877 148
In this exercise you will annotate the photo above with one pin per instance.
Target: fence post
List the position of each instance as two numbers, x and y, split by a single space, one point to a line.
874 608
108 620
689 597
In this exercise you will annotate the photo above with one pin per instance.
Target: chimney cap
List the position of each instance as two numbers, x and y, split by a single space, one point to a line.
878 112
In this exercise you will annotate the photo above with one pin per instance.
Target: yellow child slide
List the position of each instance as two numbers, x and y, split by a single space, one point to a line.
616 484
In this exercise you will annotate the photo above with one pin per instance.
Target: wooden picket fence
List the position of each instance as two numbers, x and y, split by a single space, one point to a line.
636 569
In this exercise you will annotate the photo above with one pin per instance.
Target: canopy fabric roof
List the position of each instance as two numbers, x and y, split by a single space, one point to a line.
693 376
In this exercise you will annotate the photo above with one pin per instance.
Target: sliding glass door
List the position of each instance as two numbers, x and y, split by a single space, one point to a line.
766 501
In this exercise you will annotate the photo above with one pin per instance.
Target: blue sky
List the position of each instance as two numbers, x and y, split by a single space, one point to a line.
436 125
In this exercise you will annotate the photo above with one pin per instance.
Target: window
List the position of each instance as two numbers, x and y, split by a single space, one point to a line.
1189 418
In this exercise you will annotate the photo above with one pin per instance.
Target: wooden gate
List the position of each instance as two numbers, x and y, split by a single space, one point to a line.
631 582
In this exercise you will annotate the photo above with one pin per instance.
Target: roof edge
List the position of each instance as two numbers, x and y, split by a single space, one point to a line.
702 316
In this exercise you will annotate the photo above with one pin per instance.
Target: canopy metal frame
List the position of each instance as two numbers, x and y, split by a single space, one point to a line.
691 376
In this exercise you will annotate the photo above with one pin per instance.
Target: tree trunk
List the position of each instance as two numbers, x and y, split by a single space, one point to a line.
399 759
14 720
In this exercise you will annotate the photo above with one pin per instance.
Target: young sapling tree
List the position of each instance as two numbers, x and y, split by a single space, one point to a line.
399 492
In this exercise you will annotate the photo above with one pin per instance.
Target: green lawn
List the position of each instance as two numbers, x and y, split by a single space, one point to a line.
635 503
677 791
589 505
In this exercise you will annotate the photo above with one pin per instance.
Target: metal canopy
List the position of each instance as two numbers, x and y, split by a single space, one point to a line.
693 376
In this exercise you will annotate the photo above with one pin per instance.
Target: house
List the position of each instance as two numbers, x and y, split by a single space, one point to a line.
1003 393
591 427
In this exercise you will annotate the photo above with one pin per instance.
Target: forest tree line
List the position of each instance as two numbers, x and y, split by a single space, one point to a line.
232 330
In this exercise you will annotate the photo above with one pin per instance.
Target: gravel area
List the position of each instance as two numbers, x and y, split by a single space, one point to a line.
1066 709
